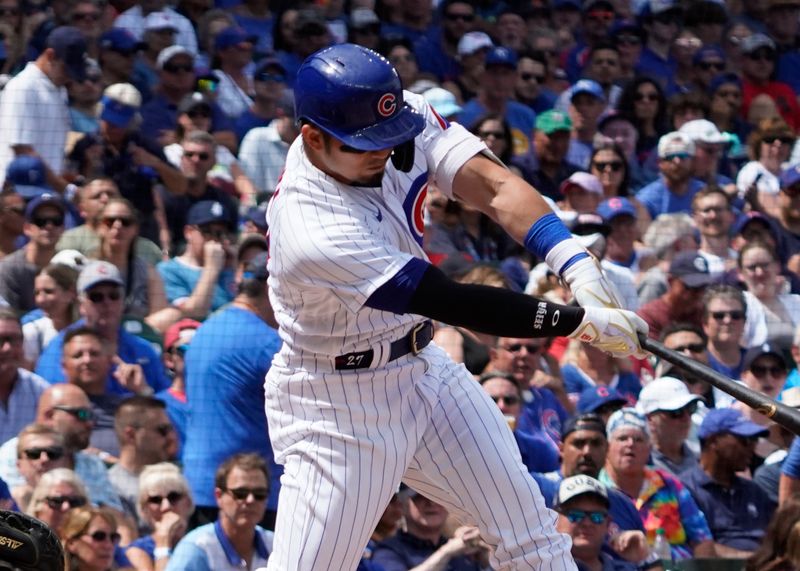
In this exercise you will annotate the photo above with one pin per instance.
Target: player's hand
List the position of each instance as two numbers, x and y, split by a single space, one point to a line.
130 376
589 285
214 255
615 331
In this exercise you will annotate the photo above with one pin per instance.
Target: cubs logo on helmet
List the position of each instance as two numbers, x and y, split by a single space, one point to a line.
387 104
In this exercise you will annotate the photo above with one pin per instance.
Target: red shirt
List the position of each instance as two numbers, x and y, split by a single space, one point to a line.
783 96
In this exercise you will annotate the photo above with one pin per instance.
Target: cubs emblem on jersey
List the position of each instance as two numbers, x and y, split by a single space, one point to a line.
387 105
414 206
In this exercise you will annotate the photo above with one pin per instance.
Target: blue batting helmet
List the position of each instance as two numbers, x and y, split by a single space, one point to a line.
355 95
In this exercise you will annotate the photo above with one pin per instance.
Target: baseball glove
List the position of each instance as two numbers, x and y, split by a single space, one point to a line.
27 544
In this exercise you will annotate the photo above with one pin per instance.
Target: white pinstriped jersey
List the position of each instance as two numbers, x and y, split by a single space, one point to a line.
332 245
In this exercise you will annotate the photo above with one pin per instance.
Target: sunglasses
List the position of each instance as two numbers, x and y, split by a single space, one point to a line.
203 156
487 134
712 210
53 452
679 156
82 414
615 166
463 17
735 315
241 494
125 221
86 17
42 221
175 68
508 400
708 65
577 516
762 370
530 347
279 77
626 40
57 502
689 409
646 97
99 296
783 140
605 62
172 497
761 56
101 536
198 113
669 18
528 76
691 347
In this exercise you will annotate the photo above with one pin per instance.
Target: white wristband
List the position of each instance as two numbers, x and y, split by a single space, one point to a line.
161 552
561 253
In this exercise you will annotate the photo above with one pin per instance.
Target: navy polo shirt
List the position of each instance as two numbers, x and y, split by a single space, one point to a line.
737 516
404 551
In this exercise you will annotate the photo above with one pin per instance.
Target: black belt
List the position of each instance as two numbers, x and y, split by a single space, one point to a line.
416 340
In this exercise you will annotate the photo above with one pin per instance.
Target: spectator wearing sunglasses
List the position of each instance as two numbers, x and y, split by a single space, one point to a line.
692 342
39 449
736 509
117 52
165 505
583 514
707 63
764 369
723 315
66 409
90 539
758 68
134 368
597 17
269 87
57 492
146 437
661 20
669 407
234 540
44 224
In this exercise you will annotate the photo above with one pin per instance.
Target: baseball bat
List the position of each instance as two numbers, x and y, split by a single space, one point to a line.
786 416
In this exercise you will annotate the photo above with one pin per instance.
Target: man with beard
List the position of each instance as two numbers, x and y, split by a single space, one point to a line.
66 409
736 509
675 188
713 216
546 166
688 278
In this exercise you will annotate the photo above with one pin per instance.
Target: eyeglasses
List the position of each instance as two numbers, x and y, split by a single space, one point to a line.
42 221
82 414
735 315
101 536
176 68
708 65
530 347
198 113
596 517
691 347
125 221
762 370
279 77
203 156
689 409
487 134
53 452
680 156
528 76
463 17
646 97
508 400
784 140
86 17
99 296
615 166
761 56
57 502
18 210
10 339
627 40
241 494
172 497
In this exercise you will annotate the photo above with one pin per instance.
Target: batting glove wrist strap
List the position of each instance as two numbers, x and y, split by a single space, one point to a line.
589 285
614 331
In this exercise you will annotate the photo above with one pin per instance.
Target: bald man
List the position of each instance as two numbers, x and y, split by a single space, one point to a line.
66 409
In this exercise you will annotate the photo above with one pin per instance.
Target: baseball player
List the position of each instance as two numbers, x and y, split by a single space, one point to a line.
358 398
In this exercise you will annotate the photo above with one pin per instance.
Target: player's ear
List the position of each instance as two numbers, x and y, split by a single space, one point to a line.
313 137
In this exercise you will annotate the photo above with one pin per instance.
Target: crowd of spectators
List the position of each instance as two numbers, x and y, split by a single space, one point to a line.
139 146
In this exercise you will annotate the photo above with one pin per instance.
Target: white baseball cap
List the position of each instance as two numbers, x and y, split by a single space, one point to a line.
704 131
584 180
665 393
675 143
471 42
578 485
170 52
160 21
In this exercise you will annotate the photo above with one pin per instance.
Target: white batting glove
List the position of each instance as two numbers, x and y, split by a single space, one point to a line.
615 331
589 285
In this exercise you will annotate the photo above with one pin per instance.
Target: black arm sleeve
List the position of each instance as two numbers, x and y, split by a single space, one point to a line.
491 310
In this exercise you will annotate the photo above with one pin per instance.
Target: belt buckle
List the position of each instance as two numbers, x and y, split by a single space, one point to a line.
417 328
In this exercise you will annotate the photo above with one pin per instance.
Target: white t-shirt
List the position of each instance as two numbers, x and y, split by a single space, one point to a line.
133 21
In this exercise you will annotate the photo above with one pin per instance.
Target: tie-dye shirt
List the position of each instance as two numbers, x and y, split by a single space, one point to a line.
664 503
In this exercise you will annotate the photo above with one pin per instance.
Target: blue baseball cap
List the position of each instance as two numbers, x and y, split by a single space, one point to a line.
589 86
119 40
28 176
720 420
749 217
790 176
501 56
206 212
723 79
566 5
708 52
616 206
46 199
592 398
691 268
69 45
232 36
116 112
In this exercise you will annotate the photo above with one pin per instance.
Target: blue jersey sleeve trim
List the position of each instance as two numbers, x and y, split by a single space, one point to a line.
395 295
544 234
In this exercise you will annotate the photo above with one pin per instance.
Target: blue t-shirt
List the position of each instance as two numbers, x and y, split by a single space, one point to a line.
662 70
543 413
146 544
789 69
177 411
431 58
130 348
730 372
180 281
657 198
226 363
575 382
520 118
537 451
791 466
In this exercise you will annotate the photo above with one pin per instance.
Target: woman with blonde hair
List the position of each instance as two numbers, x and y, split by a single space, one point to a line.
165 504
89 536
57 492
